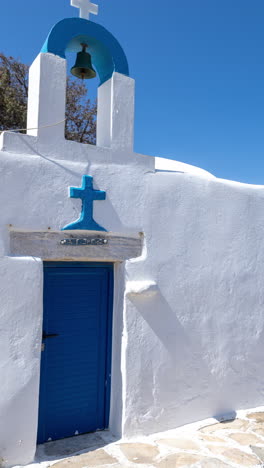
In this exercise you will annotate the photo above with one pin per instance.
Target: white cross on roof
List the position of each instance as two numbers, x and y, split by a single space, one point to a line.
86 7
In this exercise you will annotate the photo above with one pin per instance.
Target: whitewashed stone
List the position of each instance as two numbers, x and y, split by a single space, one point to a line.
96 458
246 438
237 456
231 425
259 451
185 444
139 453
257 416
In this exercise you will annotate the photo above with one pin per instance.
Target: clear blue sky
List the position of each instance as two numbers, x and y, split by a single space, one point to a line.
199 70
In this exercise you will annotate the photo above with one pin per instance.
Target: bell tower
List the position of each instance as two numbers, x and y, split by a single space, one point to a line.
98 51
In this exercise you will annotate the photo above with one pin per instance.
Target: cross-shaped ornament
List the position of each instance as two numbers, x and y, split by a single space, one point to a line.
88 195
86 7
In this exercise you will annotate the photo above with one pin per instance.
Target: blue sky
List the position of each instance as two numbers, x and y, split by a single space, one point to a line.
199 70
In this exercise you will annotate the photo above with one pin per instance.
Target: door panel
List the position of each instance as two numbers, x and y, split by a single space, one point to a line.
74 365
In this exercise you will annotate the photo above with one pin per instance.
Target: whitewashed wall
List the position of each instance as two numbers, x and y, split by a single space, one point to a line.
188 331
195 348
20 326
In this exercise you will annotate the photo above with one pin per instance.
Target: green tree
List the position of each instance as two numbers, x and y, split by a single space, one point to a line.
13 93
80 115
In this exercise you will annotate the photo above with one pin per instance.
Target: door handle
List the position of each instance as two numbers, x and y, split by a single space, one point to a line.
45 336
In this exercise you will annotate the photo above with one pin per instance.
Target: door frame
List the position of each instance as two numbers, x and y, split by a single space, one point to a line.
109 325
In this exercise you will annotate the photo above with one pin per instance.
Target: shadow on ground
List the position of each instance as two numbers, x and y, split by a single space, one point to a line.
73 446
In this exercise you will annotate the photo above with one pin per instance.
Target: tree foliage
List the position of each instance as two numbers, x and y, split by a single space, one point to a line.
80 115
13 93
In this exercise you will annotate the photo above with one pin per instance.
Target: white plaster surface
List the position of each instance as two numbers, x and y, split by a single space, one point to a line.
141 288
20 325
163 164
115 120
194 349
47 78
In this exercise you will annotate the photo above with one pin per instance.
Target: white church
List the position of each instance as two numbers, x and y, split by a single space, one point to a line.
131 286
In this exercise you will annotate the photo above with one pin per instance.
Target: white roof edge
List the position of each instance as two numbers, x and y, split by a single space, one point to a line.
163 164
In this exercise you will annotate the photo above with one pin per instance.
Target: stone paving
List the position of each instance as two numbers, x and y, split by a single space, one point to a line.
234 443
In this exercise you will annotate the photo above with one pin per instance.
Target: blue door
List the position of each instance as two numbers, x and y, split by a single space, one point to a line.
76 350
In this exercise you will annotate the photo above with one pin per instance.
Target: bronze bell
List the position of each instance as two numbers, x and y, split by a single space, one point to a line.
83 67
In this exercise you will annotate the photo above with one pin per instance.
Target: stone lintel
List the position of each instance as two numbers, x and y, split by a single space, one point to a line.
75 245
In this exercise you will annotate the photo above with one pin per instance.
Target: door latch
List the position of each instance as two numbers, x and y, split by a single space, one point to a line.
45 336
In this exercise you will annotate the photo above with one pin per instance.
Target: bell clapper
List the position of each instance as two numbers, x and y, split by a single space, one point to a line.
84 47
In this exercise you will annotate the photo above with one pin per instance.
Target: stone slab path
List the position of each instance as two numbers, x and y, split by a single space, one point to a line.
234 443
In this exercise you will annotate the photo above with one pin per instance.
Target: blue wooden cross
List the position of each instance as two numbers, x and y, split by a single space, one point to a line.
88 195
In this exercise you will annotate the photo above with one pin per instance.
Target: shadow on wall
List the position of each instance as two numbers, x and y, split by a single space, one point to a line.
178 383
116 374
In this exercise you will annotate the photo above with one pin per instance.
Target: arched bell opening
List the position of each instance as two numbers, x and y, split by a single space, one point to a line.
81 95
77 37
47 84
106 52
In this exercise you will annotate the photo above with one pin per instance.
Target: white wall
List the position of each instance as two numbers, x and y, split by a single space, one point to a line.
189 347
195 348
34 195
20 325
